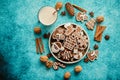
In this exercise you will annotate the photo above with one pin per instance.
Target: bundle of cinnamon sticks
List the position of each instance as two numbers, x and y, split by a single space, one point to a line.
39 46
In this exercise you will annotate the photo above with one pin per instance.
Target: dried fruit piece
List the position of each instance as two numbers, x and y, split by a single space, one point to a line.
67 75
37 30
49 64
58 6
78 69
96 46
100 19
69 8
107 37
43 58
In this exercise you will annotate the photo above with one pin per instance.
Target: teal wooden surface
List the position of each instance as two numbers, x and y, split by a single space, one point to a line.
18 58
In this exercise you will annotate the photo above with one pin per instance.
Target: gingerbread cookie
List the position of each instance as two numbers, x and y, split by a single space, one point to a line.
81 16
90 24
69 30
92 55
56 47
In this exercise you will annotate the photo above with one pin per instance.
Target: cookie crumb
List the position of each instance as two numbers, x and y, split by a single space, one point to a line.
107 37
91 14
96 47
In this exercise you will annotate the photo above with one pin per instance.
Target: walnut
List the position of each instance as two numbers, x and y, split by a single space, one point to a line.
37 30
43 58
67 75
49 64
100 19
78 69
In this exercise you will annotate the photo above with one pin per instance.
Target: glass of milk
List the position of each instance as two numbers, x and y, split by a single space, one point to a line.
47 16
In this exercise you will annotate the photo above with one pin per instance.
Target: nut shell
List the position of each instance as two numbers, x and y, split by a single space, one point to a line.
78 69
43 58
69 8
67 75
58 5
100 19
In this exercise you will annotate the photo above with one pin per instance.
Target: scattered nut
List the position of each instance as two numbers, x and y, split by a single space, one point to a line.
43 58
100 19
37 30
49 64
91 14
67 75
78 69
96 46
86 60
69 8
107 37
63 13
58 5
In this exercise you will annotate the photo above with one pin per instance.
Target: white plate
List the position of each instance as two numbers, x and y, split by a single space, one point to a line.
72 61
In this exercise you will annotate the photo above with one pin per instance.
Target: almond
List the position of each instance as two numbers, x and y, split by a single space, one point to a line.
58 5
69 8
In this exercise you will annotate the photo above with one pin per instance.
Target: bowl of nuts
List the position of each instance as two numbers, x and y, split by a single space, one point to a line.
69 43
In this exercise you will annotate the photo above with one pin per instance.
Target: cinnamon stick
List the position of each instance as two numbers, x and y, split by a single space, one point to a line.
42 46
79 8
37 46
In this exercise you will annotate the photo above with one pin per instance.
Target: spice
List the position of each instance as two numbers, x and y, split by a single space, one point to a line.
86 60
107 37
69 8
63 13
46 35
67 75
37 46
78 69
37 30
49 55
79 8
96 46
91 14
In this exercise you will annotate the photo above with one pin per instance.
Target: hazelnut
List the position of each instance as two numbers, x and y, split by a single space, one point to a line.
37 30
49 64
67 75
58 5
78 69
100 19
43 58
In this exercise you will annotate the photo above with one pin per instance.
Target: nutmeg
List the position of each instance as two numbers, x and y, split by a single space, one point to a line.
67 75
43 58
78 69
37 30
69 8
49 64
58 5
100 19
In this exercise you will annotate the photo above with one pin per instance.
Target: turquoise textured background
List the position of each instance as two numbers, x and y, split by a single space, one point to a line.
18 58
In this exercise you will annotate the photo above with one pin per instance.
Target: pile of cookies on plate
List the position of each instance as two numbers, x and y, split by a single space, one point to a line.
69 42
